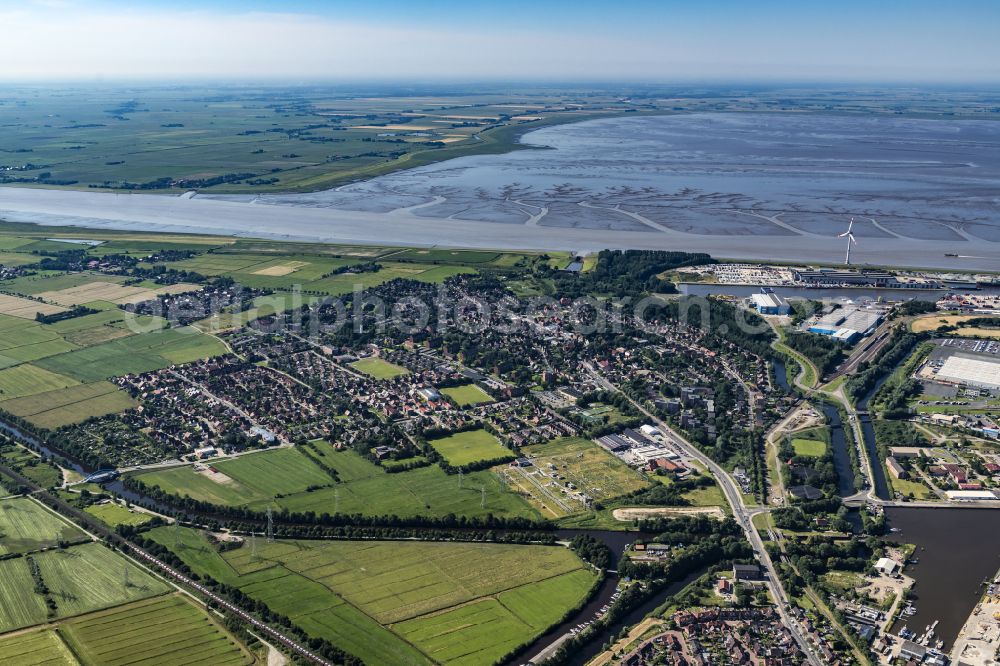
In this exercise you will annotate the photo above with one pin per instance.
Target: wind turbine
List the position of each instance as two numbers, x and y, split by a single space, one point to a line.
850 239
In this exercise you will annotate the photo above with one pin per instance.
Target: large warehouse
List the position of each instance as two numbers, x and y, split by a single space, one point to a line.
971 370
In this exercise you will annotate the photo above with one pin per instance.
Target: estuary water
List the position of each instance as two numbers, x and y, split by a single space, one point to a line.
757 186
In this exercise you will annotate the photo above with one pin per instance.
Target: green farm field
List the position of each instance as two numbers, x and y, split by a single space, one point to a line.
379 368
470 394
134 354
81 578
30 379
365 596
163 630
35 648
90 577
73 404
469 446
364 488
26 526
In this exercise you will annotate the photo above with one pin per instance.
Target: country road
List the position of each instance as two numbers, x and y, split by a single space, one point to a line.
742 514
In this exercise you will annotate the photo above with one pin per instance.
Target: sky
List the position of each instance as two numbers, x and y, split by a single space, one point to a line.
907 41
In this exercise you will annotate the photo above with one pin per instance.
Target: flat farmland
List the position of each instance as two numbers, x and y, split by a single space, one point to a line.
379 368
35 648
165 630
346 282
134 354
90 576
581 462
73 404
36 284
30 379
26 308
469 446
26 526
470 394
492 627
112 292
454 602
21 606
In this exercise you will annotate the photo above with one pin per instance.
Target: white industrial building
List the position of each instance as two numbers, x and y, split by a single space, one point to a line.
970 370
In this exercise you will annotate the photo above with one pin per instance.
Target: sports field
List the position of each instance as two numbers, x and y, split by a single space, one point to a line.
365 596
466 395
363 488
379 368
591 469
163 630
469 446
808 447
811 442
26 526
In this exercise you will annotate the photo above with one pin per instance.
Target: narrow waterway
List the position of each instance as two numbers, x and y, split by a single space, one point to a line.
780 374
957 549
853 293
846 482
868 430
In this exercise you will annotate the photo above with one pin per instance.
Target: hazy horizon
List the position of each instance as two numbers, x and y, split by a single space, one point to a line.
773 41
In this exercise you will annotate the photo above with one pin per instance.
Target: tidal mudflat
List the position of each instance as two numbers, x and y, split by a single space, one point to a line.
756 186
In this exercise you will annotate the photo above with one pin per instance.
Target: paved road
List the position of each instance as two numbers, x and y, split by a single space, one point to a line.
743 516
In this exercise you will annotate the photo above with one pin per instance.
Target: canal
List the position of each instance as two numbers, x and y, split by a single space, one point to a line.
846 482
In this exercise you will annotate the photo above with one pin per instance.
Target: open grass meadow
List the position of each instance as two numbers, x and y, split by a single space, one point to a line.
467 395
164 630
30 465
379 368
26 526
364 488
394 602
469 446
114 515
